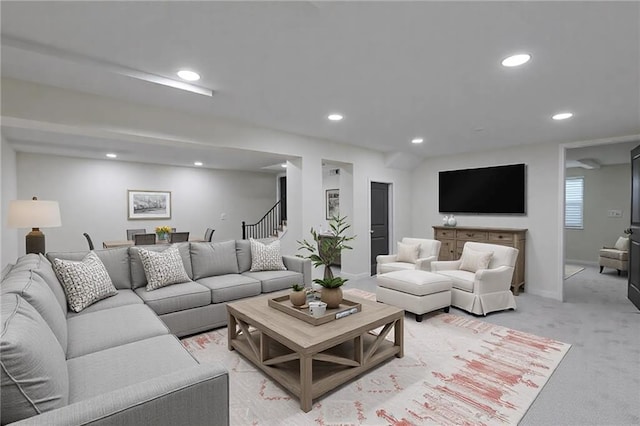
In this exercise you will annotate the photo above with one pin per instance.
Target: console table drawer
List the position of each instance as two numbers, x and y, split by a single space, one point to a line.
500 237
445 233
471 235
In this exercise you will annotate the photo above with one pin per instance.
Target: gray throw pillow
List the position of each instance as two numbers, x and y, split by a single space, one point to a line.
266 257
163 268
84 282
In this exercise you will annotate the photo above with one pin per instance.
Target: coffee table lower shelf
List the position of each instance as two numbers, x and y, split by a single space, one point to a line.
310 374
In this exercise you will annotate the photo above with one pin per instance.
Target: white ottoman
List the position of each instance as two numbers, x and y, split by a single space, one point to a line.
415 291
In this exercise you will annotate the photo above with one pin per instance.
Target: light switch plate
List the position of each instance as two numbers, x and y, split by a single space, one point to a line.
614 213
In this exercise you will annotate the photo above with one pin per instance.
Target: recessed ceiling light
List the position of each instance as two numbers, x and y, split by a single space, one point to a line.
417 140
112 155
188 75
516 60
562 116
335 117
283 166
197 163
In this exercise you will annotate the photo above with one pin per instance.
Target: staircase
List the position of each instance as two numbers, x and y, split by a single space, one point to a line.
272 224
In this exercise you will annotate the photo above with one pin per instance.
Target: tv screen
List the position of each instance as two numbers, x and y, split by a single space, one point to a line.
489 190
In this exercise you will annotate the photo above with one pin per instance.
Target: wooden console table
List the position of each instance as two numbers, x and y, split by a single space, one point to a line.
453 239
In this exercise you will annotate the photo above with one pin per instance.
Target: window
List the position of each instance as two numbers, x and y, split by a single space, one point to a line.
573 202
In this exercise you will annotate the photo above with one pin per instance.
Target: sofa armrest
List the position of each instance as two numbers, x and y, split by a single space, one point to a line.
445 265
424 264
386 258
299 264
493 280
195 396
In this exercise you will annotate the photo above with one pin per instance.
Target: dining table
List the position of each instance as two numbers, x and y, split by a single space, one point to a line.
129 243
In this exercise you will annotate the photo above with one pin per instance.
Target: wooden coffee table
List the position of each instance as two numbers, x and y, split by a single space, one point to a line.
309 360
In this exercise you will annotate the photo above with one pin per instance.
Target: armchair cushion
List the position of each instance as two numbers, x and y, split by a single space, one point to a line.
614 254
473 260
408 252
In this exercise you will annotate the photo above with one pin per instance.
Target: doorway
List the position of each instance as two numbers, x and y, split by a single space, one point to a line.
379 222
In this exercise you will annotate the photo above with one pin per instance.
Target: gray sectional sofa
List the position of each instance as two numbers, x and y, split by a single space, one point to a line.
118 361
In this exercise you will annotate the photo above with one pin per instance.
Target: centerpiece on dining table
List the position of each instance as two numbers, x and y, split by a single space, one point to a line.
163 232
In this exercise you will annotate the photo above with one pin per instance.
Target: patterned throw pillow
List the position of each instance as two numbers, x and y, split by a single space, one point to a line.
474 260
163 268
266 257
85 282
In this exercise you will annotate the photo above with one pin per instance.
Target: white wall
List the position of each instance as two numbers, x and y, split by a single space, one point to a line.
543 256
9 186
606 188
93 197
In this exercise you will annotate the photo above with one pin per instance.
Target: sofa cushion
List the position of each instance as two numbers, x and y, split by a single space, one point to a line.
474 260
276 280
266 257
243 253
115 260
34 376
164 268
108 328
32 288
176 297
45 270
115 368
138 278
211 259
123 298
84 282
408 252
6 270
225 288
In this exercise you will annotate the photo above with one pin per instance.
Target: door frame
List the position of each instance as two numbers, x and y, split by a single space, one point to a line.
391 208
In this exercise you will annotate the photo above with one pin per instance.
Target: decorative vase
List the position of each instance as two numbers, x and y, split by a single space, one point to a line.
161 236
452 221
332 297
445 220
298 298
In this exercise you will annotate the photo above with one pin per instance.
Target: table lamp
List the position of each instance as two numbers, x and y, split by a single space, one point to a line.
34 214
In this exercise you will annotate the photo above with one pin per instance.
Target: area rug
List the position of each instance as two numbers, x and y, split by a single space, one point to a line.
571 270
455 371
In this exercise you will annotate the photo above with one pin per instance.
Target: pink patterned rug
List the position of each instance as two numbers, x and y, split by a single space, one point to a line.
456 371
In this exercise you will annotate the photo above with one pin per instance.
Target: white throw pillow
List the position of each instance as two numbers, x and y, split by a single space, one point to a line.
163 268
408 252
622 244
84 282
266 257
474 260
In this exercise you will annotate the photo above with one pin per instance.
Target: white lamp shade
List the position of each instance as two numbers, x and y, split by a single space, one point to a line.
34 214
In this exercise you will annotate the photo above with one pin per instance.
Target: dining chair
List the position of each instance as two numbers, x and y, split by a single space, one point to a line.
208 235
144 239
88 240
178 237
132 232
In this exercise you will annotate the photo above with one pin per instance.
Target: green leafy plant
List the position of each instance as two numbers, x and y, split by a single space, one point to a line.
297 287
324 251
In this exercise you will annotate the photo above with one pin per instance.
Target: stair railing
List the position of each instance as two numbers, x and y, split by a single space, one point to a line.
267 226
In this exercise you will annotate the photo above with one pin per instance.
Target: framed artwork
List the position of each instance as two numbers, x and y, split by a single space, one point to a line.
149 204
332 203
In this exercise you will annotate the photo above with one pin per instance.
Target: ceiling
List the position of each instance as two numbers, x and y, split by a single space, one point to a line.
395 70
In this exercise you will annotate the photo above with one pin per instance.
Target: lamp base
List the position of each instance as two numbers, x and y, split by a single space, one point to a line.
35 241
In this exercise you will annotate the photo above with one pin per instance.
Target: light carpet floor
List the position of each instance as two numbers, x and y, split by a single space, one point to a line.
456 370
571 270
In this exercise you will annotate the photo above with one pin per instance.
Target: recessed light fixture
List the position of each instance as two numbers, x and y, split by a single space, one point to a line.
283 165
112 155
188 75
417 140
335 117
562 116
516 60
197 163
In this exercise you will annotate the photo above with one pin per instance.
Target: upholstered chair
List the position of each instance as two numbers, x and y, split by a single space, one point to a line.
412 253
481 278
616 257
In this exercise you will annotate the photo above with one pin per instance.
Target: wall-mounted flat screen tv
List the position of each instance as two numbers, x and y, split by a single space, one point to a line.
487 190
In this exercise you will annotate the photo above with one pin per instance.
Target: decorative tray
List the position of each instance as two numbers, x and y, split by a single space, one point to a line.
347 307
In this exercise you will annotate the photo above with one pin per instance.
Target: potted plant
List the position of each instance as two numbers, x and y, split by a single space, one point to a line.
162 232
298 296
324 252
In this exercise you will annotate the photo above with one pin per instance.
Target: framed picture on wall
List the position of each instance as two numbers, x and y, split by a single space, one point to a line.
332 203
149 204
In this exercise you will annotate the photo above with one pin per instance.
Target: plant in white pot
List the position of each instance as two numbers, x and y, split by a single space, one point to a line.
324 251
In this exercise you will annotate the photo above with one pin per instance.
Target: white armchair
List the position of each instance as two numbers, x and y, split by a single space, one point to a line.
412 253
481 282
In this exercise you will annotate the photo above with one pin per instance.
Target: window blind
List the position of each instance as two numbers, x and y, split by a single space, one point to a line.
574 202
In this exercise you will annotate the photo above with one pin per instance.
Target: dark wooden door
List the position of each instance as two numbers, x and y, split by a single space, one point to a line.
379 222
633 292
283 198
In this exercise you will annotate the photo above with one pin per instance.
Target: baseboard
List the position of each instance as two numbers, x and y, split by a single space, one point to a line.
581 262
354 276
545 294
